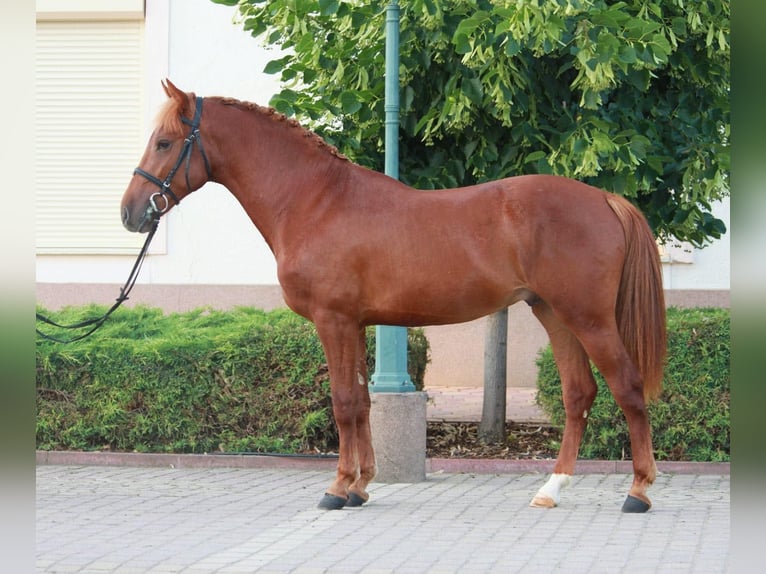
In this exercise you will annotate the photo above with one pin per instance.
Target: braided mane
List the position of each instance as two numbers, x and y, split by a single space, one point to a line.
276 116
169 119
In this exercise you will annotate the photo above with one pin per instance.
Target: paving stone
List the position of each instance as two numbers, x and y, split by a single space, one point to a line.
130 520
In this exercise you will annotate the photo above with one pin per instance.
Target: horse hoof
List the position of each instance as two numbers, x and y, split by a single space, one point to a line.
355 500
635 505
542 501
331 502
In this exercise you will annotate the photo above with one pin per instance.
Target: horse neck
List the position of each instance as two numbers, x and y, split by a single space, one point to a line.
275 169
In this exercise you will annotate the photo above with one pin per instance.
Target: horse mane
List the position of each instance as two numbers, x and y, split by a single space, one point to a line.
169 117
169 120
275 116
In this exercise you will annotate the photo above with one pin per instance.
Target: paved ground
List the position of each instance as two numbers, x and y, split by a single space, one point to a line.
137 519
102 512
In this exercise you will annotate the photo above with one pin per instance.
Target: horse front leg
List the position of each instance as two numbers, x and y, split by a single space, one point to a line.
339 338
357 493
578 388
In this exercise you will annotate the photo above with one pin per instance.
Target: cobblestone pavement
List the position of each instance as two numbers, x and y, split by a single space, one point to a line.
202 520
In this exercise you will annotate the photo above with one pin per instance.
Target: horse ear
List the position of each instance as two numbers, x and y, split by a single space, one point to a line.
176 94
171 89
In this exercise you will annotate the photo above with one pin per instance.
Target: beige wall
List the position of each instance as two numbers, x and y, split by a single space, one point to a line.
457 351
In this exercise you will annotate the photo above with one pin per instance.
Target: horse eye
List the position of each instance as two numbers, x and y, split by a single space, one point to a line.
163 145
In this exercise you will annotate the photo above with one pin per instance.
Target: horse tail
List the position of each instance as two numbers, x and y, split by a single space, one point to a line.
641 300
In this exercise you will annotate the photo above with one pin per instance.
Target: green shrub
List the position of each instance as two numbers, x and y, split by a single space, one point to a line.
690 421
202 381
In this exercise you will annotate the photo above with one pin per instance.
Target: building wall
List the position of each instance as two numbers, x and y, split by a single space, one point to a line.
208 253
196 44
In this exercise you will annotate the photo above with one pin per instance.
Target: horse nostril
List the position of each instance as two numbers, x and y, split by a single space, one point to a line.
125 215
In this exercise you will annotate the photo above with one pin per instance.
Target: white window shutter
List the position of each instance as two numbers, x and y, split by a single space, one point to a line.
89 134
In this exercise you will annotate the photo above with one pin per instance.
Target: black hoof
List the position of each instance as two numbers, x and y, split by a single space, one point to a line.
635 505
331 502
354 499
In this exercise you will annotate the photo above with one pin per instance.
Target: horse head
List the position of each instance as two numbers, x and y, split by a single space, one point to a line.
169 169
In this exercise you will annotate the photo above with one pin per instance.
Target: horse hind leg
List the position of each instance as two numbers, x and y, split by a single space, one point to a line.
579 391
608 353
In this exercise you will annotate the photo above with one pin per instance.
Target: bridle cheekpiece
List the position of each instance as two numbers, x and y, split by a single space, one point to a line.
165 192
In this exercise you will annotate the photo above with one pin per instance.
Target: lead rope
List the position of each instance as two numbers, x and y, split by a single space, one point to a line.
164 188
98 321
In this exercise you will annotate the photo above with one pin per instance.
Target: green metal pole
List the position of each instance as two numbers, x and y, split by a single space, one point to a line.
391 342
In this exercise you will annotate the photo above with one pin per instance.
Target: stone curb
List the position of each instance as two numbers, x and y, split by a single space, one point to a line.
448 465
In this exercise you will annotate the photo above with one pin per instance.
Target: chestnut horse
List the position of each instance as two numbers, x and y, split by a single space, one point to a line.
356 248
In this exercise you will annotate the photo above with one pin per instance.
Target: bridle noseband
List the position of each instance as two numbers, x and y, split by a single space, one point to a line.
186 152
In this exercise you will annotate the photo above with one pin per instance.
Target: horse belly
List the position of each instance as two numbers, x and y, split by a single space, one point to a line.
445 293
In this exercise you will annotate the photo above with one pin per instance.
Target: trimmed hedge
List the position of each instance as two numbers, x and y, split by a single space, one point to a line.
690 421
234 381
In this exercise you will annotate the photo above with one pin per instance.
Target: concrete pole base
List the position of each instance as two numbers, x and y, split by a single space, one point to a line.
398 425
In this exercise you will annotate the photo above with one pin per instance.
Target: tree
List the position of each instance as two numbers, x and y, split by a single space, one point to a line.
492 425
630 96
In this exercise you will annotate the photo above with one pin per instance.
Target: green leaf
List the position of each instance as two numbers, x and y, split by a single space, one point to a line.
275 66
462 44
512 46
534 156
678 25
470 147
282 104
349 102
328 7
681 216
290 96
472 88
305 44
627 54
590 99
469 25
579 145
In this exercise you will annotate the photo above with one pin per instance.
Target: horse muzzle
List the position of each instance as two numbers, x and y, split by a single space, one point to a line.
143 222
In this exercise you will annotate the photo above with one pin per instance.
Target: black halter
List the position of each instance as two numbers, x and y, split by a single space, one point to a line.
186 153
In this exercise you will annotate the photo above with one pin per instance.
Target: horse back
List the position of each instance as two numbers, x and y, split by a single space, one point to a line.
383 245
